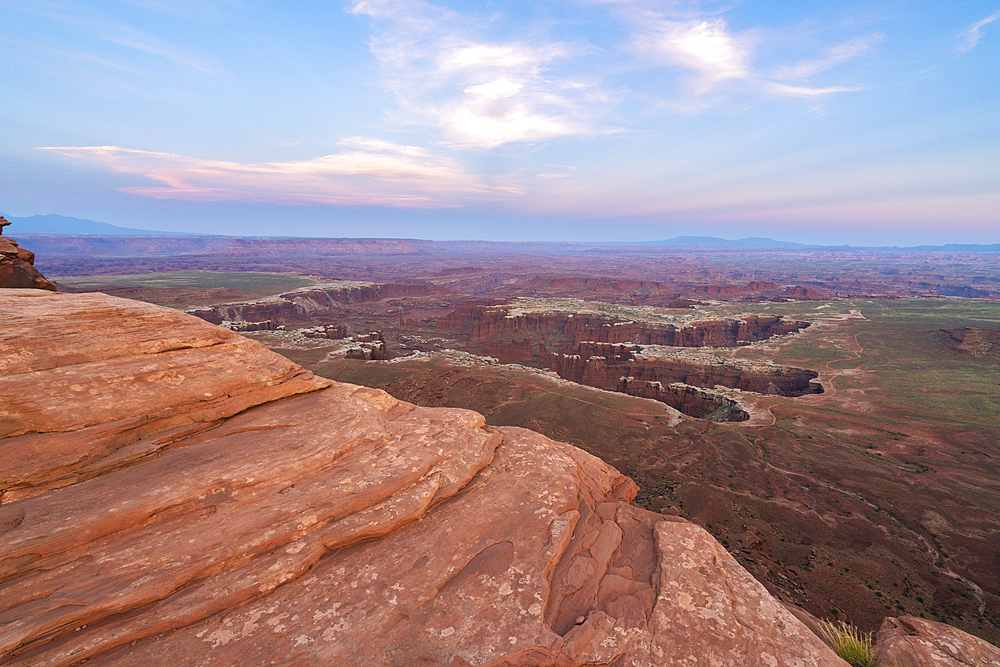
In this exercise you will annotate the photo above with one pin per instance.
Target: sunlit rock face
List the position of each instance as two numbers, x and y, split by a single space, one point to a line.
174 494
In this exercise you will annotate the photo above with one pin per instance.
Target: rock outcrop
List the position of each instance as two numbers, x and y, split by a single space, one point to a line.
176 494
17 267
916 642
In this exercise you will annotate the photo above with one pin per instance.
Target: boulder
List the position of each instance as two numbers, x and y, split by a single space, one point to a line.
176 494
17 267
909 641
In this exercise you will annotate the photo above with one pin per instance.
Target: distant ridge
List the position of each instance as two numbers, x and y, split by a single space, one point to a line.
61 224
750 241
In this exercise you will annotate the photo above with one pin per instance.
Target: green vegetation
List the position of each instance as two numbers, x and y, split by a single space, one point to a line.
274 283
183 289
850 643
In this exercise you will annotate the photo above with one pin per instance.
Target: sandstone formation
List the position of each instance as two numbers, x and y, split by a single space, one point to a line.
485 320
692 401
603 353
17 266
909 641
306 302
175 494
611 290
583 364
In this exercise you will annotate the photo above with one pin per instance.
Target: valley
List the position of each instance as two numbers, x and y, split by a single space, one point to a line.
843 448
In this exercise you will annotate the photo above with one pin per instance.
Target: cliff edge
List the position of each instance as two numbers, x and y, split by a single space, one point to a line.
173 493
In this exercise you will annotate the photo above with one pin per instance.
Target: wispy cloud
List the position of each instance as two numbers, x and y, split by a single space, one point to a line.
974 33
367 172
92 23
834 56
483 92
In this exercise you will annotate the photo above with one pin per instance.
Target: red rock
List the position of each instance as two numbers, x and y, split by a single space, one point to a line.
289 520
17 267
917 642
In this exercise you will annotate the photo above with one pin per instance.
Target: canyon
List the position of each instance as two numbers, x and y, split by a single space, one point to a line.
172 497
871 498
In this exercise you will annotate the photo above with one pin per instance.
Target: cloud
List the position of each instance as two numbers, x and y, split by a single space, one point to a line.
834 56
711 53
445 71
974 33
707 47
367 172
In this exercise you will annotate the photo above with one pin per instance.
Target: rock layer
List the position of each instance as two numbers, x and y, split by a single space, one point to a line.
201 501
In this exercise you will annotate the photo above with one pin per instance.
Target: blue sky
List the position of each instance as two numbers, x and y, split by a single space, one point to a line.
861 123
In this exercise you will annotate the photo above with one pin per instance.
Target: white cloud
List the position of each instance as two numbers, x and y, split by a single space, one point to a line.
366 172
711 53
706 47
776 88
482 92
974 33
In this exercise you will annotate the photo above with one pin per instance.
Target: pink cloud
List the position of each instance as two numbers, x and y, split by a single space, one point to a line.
366 172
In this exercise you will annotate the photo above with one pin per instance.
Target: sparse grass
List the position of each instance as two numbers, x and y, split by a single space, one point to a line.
851 644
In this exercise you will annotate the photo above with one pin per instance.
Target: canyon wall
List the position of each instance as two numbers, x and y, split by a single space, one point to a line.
307 302
600 352
483 320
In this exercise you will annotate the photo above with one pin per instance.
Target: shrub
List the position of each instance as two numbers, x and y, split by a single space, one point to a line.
850 643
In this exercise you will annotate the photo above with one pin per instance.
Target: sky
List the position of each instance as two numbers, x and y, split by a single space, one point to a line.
863 123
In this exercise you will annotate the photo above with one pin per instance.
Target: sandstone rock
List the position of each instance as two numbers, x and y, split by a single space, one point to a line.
288 520
808 619
89 382
17 267
909 641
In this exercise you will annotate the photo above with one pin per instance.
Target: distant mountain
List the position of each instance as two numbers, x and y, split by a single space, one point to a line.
61 224
750 241
956 247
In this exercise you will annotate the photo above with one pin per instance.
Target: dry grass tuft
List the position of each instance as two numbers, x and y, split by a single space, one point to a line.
850 643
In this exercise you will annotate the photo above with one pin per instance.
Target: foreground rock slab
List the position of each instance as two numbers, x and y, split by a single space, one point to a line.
175 494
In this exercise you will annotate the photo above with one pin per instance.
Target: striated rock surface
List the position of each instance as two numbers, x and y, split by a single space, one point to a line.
909 641
17 267
175 494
